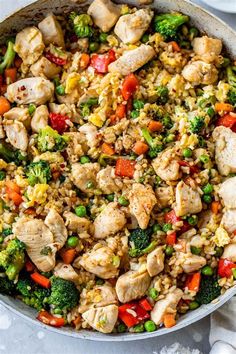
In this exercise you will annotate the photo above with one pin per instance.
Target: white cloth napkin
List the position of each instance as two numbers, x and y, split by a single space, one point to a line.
223 329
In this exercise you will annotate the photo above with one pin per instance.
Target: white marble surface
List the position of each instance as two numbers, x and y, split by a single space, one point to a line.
17 336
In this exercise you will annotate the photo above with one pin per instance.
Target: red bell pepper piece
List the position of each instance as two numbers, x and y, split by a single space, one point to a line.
56 60
193 282
125 168
225 267
100 62
185 227
171 217
193 169
132 313
171 239
47 318
58 122
145 304
129 86
41 280
228 121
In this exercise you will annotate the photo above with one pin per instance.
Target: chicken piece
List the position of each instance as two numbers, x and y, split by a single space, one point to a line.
19 113
102 319
166 165
38 240
84 175
198 72
228 221
207 48
165 196
132 60
56 225
45 68
188 200
74 148
131 27
230 252
142 200
100 261
166 305
31 90
225 145
16 134
132 285
90 132
192 263
40 118
107 181
104 14
227 192
29 45
67 272
74 223
99 296
155 261
109 221
52 31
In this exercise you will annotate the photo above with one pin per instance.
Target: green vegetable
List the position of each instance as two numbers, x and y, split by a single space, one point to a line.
167 122
163 94
204 158
93 47
12 258
60 90
85 107
50 140
84 159
207 198
140 238
187 152
81 211
9 155
193 305
232 97
105 159
123 201
211 112
192 220
219 251
7 287
137 252
169 250
32 294
150 326
90 185
195 250
193 32
64 294
72 241
138 104
201 142
197 124
38 172
170 138
234 273
209 290
153 293
82 25
145 38
103 37
110 197
231 75
156 227
24 287
154 144
167 227
121 328
207 270
7 232
8 58
134 114
31 108
208 188
2 175
168 24
139 328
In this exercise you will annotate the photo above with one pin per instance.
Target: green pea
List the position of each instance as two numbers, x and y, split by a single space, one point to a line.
2 175
192 220
84 159
156 227
139 328
219 251
57 311
193 305
207 270
150 326
204 158
121 328
145 38
99 281
153 293
169 250
31 108
207 199
138 104
187 152
158 180
199 92
211 112
134 114
72 241
103 37
60 90
90 185
234 272
93 47
170 138
193 32
167 227
110 197
195 250
208 188
80 211
123 201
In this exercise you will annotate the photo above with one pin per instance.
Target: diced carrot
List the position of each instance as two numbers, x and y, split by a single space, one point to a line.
129 86
77 321
113 119
121 111
155 126
10 75
15 197
215 207
84 61
10 185
68 255
4 105
169 320
41 280
171 239
140 148
30 211
125 168
175 46
223 107
17 62
193 281
108 149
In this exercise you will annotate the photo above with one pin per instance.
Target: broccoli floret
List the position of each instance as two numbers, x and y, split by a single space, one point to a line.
140 242
163 94
134 252
12 258
82 25
9 155
168 24
50 140
231 75
209 290
8 57
24 287
38 172
64 294
105 159
7 287
85 107
196 124
232 97
154 144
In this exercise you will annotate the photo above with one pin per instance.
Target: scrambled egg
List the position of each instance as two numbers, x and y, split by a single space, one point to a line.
37 194
221 237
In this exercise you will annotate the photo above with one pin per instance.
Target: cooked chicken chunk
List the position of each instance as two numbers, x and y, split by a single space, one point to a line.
100 295
40 118
142 200
166 165
19 113
166 305
75 148
56 225
106 180
227 192
74 223
103 319
199 72
109 221
132 60
188 200
45 68
29 45
104 14
225 145
228 221
52 31
165 196
16 134
84 175
230 252
131 27
39 242
192 263
132 285
90 132
100 261
155 261
207 48
31 90
67 272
